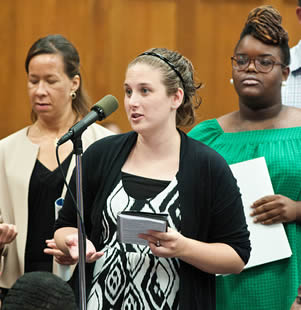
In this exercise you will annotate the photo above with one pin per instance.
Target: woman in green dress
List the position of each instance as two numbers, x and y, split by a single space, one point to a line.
263 127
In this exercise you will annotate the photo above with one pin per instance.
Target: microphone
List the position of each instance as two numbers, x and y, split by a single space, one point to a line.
102 109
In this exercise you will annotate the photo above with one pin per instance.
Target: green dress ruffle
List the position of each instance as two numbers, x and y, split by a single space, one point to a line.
271 286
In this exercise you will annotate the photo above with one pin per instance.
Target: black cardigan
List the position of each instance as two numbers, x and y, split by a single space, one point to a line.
210 203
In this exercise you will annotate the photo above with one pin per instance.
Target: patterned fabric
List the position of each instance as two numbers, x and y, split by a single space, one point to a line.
209 201
273 285
129 276
291 93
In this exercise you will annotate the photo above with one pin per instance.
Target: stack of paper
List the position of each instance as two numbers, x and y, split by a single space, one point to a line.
269 242
130 224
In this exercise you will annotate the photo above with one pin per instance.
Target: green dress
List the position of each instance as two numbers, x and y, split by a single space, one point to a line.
271 286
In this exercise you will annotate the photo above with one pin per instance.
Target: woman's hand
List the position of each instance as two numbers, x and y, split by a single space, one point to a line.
165 244
60 257
209 257
274 209
71 242
8 233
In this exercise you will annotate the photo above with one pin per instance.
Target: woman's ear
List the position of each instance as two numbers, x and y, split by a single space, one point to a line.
75 83
298 13
285 73
178 98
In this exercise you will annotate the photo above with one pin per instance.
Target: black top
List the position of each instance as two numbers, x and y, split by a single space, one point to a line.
140 187
44 188
210 204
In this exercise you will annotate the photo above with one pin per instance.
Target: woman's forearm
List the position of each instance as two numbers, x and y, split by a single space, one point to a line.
216 258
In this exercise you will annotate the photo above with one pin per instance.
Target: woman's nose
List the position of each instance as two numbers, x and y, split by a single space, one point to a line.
252 66
134 100
41 88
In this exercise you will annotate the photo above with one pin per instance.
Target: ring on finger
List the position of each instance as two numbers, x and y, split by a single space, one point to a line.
158 243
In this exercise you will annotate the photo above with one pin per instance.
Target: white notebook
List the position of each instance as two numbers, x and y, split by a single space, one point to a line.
269 242
131 223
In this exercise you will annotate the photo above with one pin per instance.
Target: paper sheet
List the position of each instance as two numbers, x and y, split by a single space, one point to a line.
269 242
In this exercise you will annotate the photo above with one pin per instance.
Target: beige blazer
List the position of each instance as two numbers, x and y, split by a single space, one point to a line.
17 159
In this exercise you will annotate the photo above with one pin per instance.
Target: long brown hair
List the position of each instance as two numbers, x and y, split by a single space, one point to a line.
57 44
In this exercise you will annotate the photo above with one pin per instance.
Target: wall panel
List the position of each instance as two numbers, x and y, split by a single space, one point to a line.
108 34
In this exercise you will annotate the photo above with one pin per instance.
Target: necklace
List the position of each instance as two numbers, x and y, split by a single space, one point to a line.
40 134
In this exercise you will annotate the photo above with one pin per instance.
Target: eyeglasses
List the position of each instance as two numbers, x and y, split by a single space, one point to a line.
263 64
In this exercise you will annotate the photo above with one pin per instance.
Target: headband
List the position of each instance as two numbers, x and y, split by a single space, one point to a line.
166 61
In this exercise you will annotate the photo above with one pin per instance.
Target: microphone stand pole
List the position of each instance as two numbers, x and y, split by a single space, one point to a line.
78 151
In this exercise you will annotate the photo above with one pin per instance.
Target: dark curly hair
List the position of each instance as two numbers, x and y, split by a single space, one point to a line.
40 290
264 24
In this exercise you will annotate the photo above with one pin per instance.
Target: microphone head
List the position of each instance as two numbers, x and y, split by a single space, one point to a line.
107 104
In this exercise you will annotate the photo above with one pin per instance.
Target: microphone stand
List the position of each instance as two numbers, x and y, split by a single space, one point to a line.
78 151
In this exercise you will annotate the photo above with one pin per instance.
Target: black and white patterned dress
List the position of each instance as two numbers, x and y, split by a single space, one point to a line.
129 276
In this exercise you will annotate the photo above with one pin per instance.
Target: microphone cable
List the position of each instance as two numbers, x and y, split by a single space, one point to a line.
82 226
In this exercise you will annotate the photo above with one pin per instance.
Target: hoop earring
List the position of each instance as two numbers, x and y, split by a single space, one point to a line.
283 83
231 81
73 95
